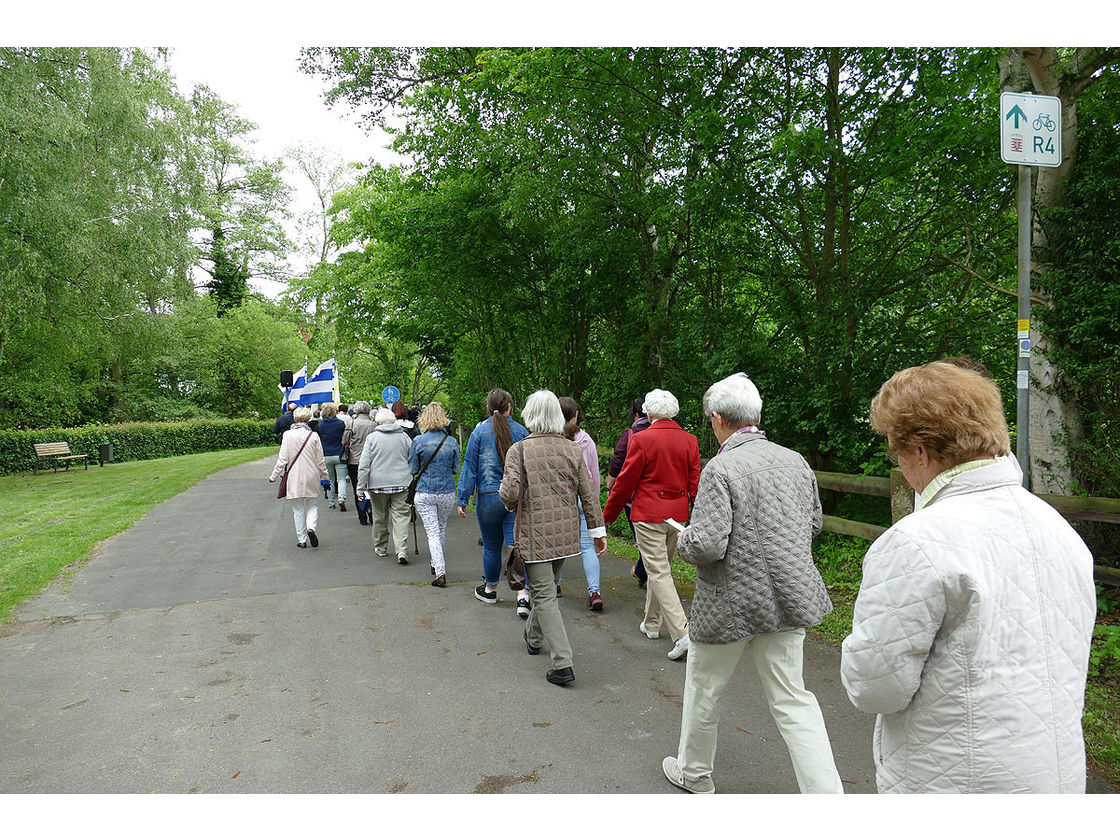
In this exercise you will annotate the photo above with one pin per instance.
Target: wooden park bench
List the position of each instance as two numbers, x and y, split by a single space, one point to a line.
56 453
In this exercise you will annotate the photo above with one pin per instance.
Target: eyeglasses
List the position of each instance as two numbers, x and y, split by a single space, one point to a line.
892 456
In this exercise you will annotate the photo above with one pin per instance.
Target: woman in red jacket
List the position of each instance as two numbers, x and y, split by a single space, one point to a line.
659 479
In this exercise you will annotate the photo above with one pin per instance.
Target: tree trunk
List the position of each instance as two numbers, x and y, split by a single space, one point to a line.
1053 422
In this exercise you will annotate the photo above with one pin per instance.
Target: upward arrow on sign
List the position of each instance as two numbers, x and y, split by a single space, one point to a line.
1018 113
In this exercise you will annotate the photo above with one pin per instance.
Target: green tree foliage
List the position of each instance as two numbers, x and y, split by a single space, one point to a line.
94 224
229 365
604 221
243 202
106 173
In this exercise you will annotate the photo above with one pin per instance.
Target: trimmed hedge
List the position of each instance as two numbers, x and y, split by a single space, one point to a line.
136 441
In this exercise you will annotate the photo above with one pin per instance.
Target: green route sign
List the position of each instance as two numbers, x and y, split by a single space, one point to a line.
1030 129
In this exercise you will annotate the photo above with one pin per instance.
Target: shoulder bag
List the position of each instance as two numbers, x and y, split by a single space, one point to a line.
515 560
283 490
344 453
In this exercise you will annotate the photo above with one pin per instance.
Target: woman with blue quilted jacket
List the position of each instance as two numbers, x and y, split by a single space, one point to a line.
971 633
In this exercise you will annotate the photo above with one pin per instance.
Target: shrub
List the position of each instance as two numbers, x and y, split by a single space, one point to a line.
136 441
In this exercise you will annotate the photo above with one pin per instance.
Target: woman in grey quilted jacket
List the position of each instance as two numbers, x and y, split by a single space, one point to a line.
547 529
757 589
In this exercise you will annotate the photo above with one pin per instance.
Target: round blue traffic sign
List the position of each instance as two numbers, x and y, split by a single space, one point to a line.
390 395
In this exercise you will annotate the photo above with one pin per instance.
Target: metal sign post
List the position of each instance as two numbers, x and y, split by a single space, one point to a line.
1030 134
1023 370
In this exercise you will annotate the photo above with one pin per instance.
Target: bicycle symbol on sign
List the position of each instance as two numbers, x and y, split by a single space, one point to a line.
1043 120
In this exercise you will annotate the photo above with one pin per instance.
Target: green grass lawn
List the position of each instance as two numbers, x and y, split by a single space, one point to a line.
52 521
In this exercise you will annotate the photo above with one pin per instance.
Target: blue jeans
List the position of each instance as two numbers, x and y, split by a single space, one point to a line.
495 525
587 551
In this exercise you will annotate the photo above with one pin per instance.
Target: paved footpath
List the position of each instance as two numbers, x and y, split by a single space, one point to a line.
202 652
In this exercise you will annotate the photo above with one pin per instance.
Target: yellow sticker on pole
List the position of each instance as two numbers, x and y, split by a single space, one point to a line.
1024 324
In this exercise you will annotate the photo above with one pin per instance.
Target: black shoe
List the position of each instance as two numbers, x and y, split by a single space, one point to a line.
311 535
441 580
342 506
533 651
402 560
561 676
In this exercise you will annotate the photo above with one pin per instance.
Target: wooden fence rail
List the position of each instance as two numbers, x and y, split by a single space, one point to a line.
902 503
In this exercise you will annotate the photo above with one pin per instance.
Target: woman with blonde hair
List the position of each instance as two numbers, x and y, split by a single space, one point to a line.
434 457
546 473
971 633
331 430
301 460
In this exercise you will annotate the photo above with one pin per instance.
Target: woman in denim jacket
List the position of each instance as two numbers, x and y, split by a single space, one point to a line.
483 468
435 491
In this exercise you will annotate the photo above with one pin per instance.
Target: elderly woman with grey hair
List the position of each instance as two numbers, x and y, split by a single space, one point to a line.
757 589
659 480
355 438
547 473
383 477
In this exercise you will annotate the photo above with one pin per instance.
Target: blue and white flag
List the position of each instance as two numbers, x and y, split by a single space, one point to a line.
292 394
320 386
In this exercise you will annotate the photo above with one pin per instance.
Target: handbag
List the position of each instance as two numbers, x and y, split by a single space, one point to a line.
344 453
282 491
515 560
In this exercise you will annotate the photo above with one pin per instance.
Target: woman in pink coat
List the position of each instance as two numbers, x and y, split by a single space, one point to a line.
301 454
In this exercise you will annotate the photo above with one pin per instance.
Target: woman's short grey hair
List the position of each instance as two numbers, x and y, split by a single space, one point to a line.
661 403
542 413
736 399
383 416
361 407
301 414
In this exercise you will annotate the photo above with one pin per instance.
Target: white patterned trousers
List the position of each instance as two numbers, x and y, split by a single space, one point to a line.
434 510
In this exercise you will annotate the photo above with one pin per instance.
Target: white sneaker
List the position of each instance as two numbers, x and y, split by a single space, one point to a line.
673 773
680 648
650 634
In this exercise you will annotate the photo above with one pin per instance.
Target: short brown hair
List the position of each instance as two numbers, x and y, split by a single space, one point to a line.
433 417
329 410
957 414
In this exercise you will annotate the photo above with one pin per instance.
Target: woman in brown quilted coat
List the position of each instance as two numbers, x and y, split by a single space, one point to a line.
547 471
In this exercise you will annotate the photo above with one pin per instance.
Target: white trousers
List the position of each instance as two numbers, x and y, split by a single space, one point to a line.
434 510
778 659
306 514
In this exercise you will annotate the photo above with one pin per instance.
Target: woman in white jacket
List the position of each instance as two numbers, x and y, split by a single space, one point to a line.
971 632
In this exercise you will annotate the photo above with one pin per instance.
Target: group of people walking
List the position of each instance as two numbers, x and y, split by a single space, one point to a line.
972 627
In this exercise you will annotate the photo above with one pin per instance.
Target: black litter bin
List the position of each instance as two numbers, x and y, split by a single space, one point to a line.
105 453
